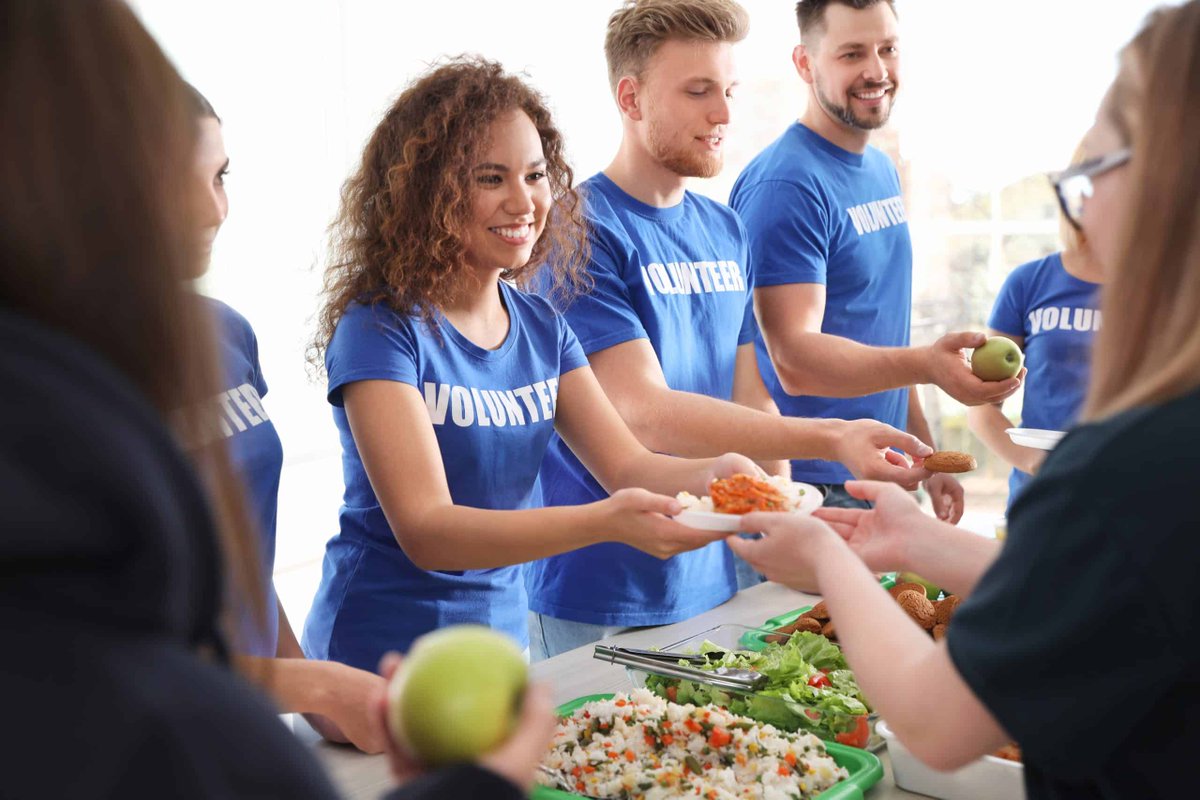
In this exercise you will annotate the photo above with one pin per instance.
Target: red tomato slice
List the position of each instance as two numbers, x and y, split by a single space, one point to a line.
858 737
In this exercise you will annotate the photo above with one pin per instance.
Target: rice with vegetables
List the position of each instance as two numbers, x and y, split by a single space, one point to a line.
641 747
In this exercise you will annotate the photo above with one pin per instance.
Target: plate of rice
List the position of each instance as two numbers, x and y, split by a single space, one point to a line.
639 746
729 498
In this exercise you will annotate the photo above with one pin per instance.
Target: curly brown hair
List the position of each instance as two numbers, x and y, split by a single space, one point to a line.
399 236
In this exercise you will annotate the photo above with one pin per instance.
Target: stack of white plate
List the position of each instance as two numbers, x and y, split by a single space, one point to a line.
1035 437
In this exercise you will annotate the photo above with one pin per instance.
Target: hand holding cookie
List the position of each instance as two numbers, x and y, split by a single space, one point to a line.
950 461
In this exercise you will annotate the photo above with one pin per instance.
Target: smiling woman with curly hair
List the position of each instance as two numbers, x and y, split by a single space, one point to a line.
448 380
399 237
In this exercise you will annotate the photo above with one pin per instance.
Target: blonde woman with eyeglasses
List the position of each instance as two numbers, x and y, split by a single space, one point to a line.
1079 638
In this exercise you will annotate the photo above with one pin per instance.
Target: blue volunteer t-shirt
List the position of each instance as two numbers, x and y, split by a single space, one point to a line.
819 214
493 413
257 456
1058 314
679 277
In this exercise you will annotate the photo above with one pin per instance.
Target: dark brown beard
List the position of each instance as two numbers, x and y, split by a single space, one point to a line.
847 117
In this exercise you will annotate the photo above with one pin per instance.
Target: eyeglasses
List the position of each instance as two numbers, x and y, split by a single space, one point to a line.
1074 186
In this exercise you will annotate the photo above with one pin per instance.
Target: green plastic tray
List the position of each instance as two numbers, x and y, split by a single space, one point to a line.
756 639
864 768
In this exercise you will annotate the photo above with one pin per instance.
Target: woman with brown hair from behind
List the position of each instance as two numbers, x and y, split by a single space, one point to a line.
448 380
114 673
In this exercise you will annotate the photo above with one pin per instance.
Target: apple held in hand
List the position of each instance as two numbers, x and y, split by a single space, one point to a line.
457 694
997 359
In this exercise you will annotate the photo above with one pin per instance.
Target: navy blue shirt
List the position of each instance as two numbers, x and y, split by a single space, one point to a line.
819 214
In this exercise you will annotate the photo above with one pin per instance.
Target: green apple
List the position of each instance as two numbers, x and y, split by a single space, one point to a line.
932 591
457 694
997 359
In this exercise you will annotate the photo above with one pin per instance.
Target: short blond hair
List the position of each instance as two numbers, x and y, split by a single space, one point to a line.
639 27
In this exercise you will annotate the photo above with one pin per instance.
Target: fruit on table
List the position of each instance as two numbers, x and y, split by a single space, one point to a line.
998 359
859 737
931 590
819 680
457 694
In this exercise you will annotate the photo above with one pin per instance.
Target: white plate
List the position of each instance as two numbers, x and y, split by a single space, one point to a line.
810 501
1035 437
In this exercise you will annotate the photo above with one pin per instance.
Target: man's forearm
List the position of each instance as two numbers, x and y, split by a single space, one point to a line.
825 365
944 724
696 426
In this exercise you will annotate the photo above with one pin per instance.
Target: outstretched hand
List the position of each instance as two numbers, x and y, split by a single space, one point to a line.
790 549
879 535
950 369
946 496
642 519
869 449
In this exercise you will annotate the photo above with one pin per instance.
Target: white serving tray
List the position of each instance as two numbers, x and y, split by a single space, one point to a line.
989 778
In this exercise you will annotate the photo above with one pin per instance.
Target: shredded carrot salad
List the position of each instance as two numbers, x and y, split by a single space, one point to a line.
742 494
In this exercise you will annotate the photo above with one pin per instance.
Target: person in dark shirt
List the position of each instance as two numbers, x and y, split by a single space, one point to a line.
115 676
123 525
1080 636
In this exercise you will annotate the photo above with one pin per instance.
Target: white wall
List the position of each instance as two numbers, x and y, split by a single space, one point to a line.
992 91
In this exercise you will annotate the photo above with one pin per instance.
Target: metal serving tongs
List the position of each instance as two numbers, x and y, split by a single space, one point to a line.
663 663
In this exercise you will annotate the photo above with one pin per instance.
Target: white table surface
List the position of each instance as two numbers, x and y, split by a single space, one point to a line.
575 673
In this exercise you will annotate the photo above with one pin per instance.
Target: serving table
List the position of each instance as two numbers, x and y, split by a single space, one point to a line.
575 673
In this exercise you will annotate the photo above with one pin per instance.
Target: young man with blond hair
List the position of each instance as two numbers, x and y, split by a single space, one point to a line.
669 326
832 253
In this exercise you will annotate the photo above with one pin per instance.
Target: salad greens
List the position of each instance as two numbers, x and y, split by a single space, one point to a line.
795 698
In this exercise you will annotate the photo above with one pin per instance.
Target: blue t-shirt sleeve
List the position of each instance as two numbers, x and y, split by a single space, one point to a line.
260 383
236 332
1008 313
749 324
789 232
571 355
604 316
370 343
